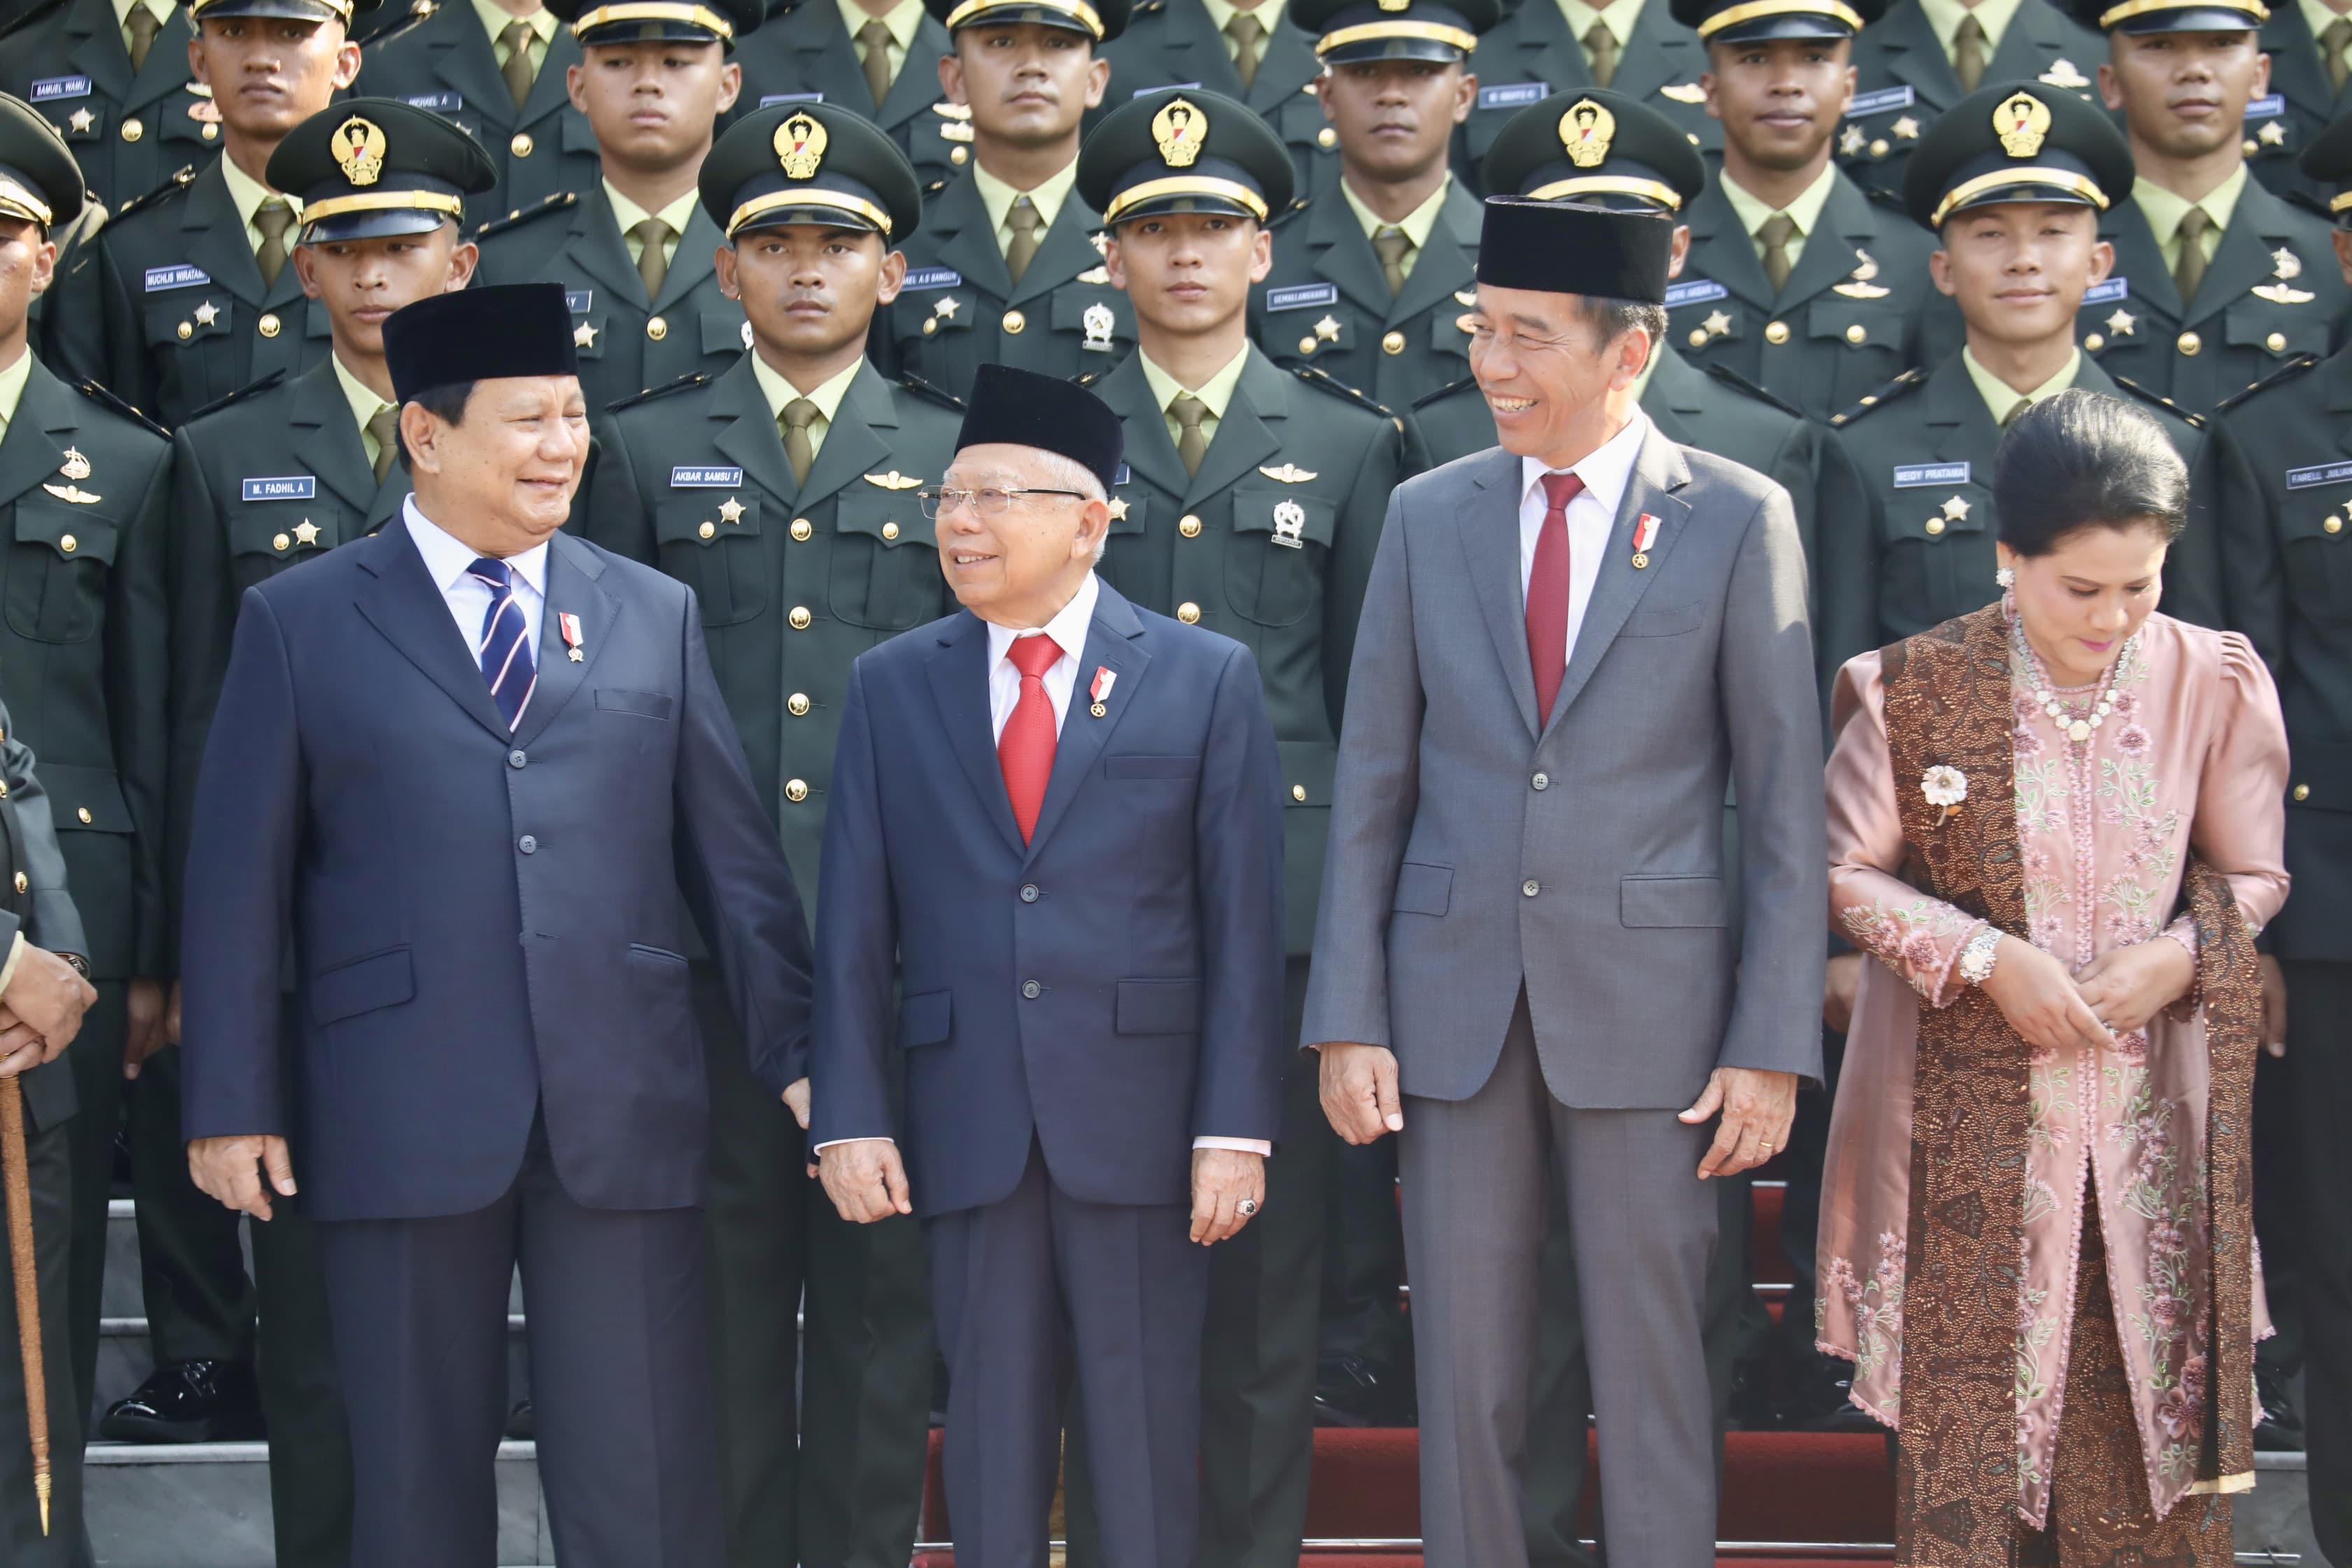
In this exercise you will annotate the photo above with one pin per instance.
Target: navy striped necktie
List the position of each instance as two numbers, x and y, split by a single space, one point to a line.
506 661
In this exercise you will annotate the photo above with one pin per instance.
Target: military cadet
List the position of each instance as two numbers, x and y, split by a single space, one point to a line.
2217 282
875 58
115 83
1006 267
2286 452
633 250
187 297
2309 44
1370 280
1794 279
1641 50
783 492
1257 53
1250 503
1923 55
500 69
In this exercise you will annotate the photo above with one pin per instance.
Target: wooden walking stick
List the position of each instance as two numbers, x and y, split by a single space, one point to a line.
17 1176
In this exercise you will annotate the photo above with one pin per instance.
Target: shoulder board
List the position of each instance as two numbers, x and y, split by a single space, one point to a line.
1909 380
1323 379
2304 202
1147 8
1891 200
2194 421
939 395
665 389
1298 204
170 187
561 201
1448 390
935 188
1732 378
106 399
1087 378
31 17
2287 371
217 403
418 12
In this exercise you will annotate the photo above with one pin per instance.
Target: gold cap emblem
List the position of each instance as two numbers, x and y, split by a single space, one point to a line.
1585 132
2021 122
1180 128
358 146
800 146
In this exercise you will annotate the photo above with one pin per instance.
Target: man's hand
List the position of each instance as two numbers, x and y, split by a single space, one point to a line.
1359 1091
20 1048
230 1169
48 996
1221 1179
864 1179
1838 991
1758 1107
2273 1006
796 1100
2126 986
145 1035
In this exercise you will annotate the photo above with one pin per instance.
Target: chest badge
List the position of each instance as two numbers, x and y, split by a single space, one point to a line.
75 467
1118 509
83 122
306 532
1850 142
1097 322
1290 525
2122 322
1327 329
2289 267
1105 679
584 336
1288 474
946 309
893 481
1645 533
1859 286
2064 73
570 624
730 510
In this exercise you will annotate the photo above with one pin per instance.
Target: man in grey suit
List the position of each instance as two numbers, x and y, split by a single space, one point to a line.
1524 959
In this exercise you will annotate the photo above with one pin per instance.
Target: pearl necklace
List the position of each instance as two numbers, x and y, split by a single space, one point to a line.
2075 725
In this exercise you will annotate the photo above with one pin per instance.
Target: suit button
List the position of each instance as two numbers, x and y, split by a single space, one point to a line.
801 529
1391 342
1698 336
281 541
708 530
1531 888
517 759
1776 332
1014 322
957 156
1189 526
2302 792
796 790
269 324
133 129
2188 343
1299 794
522 144
1326 138
526 844
1028 892
2333 525
1541 781
2249 147
657 328
797 704
1857 334
1189 613
70 545
81 815
1307 344
1878 147
186 331
889 531
2096 341
931 323
1935 526
799 619
2275 342
1032 990
211 132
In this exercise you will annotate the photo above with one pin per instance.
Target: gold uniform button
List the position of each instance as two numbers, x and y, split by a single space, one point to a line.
2333 525
1326 138
1189 526
2275 342
83 813
186 331
133 129
522 144
2302 792
269 324
1698 337
1776 332
799 619
1857 334
1935 526
2248 147
931 323
69 544
1014 322
2096 341
795 790
282 541
2188 343
1878 147
801 529
211 132
24 883
889 531
797 705
1307 344
657 328
1189 613
959 156
708 530
1392 342
1298 792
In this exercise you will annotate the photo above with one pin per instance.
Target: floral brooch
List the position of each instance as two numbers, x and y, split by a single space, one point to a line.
1946 787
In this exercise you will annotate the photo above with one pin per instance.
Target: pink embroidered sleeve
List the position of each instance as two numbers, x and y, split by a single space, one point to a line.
2240 824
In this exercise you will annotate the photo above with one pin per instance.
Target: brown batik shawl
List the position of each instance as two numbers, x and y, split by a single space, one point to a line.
1949 703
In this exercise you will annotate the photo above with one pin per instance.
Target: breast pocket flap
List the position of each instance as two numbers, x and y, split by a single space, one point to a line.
1665 621
646 704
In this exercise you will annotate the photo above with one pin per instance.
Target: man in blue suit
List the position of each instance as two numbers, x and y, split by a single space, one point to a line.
1056 821
461 770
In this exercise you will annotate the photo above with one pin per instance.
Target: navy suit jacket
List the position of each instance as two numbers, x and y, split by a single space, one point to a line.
1114 988
482 923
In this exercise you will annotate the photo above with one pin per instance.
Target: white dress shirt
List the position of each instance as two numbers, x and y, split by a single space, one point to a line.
448 560
1592 513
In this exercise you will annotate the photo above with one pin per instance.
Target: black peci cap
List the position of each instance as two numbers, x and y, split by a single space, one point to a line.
1349 32
480 334
1184 151
1761 21
369 167
810 162
1570 247
1101 20
2016 142
1597 147
657 21
39 181
2329 160
289 10
2135 19
1022 408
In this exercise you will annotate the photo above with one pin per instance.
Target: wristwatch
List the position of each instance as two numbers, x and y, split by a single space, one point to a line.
1977 957
81 965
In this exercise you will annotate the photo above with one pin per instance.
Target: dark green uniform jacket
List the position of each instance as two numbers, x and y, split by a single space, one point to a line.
128 132
1903 81
33 902
446 63
795 580
1532 56
2271 292
1920 550
625 346
1325 303
1175 43
807 54
168 309
2298 107
1271 544
1849 318
960 309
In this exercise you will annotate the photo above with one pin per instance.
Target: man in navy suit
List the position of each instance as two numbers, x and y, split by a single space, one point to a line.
462 771
1056 822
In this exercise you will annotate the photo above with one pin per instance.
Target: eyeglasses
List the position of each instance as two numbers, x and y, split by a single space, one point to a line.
992 502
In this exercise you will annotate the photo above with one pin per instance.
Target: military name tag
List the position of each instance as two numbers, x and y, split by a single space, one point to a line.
2318 474
2266 108
1119 478
1695 292
1880 102
929 278
2107 291
684 479
438 102
1302 297
1513 95
1167 86
182 275
577 301
790 98
284 486
1913 475
54 87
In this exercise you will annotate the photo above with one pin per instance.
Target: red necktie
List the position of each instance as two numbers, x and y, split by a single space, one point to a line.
1026 751
1548 593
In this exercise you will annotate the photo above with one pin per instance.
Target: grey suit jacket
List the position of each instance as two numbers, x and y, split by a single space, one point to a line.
1474 847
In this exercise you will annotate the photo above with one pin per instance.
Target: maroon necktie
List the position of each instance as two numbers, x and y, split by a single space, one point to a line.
1548 593
1026 751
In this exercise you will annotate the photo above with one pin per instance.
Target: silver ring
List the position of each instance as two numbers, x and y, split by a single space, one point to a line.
1246 1207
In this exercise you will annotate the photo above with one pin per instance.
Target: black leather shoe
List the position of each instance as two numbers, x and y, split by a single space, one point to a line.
522 1423
189 1402
1350 1392
1817 1398
2280 1431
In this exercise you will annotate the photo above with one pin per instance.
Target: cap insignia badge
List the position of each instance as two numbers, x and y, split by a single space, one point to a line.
1585 132
1290 524
1180 128
358 147
2021 122
800 145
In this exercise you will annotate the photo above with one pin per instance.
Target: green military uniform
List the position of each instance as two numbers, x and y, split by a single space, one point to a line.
1907 72
129 126
797 574
1542 48
1190 43
2310 86
813 54
447 60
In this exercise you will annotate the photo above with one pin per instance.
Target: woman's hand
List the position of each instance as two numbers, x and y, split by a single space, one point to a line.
2039 998
2126 986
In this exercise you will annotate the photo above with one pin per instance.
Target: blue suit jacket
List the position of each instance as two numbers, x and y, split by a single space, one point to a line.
1115 987
482 923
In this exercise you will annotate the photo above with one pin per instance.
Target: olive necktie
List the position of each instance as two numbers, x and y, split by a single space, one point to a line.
2016 408
1600 49
1969 53
1249 39
1192 443
2189 270
517 70
383 427
1027 224
874 40
1778 231
1391 245
272 217
2334 39
145 26
798 450
653 260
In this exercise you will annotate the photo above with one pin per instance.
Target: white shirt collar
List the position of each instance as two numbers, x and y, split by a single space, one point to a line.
1606 471
447 558
1067 628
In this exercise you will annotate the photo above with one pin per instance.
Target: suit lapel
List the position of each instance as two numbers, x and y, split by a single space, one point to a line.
1548 51
2242 260
549 94
1658 472
1829 256
1720 248
1111 643
166 70
1916 56
401 599
1287 65
1489 532
2297 73
959 676
98 52
1193 50
571 588
692 261
748 434
1660 52
216 240
597 249
858 442
2139 261
968 240
34 444
1964 428
1448 262
464 59
1064 252
1150 453
1344 255
1244 440
326 435
917 86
